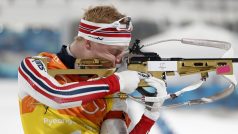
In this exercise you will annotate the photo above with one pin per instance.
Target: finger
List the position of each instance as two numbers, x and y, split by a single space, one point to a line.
159 81
149 80
154 79
155 85
161 90
143 75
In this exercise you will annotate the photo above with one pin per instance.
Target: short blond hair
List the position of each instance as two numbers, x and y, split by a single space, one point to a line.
101 14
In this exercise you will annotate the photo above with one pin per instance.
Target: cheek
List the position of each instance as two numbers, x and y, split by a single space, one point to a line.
106 56
109 57
98 52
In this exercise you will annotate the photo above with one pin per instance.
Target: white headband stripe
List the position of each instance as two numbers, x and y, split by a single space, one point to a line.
109 34
106 41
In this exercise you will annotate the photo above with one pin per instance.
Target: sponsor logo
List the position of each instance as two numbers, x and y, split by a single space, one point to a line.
97 38
39 64
58 121
162 66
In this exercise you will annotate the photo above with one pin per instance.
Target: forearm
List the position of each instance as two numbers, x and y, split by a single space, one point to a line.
37 83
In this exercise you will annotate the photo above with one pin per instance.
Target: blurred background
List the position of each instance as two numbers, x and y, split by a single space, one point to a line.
28 27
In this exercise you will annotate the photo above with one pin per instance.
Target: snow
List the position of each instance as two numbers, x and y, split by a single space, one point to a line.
191 121
10 122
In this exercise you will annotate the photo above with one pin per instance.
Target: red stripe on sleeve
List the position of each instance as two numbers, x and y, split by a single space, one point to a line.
84 98
111 81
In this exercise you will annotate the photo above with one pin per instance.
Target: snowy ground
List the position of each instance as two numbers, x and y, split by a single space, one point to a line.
194 121
10 122
202 121
180 121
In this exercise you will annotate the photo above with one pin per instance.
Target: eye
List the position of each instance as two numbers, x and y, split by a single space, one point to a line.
116 51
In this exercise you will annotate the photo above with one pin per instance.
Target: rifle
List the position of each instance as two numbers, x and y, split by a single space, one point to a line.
151 64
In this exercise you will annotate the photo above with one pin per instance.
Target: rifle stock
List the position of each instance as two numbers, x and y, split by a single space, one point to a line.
159 68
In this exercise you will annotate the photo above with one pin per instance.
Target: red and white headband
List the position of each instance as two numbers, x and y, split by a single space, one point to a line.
109 34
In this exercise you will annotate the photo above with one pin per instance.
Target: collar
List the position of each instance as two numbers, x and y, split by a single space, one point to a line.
67 59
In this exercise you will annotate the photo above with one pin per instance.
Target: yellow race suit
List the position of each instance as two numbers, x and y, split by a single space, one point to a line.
66 104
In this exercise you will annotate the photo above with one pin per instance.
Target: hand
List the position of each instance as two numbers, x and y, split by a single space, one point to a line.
128 81
119 104
160 86
115 125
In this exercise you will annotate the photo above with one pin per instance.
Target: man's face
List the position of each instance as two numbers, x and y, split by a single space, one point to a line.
108 52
